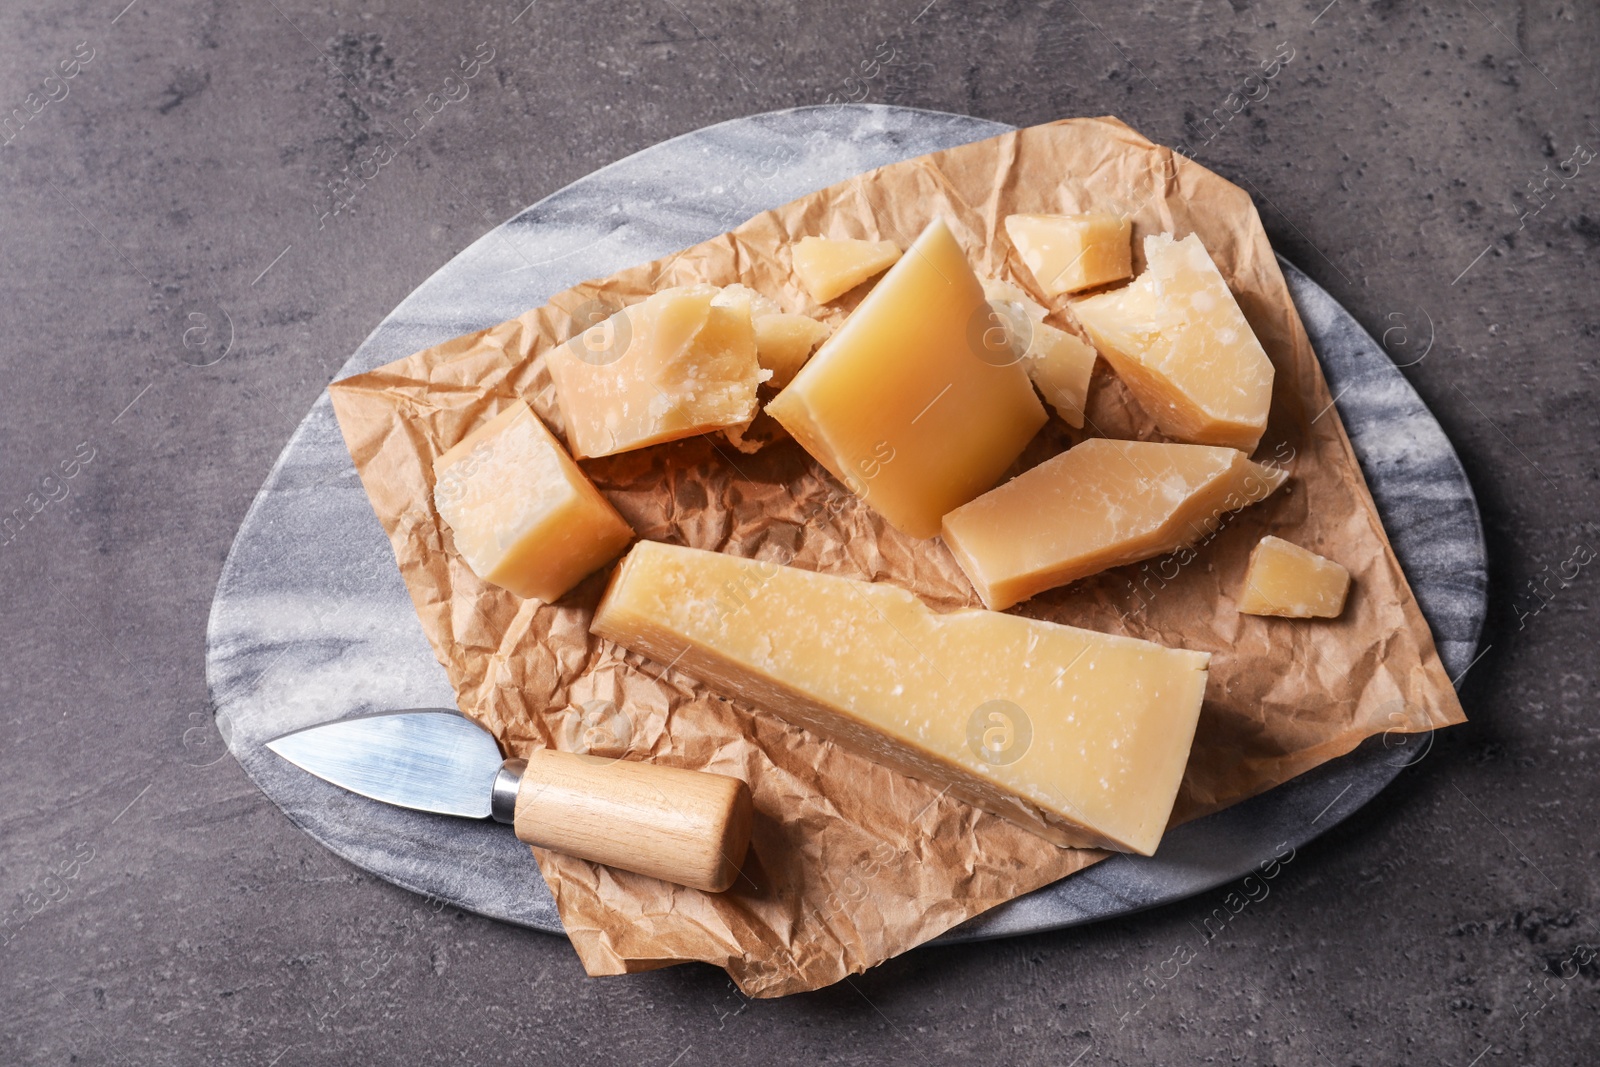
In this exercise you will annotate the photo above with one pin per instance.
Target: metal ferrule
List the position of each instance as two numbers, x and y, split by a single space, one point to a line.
503 797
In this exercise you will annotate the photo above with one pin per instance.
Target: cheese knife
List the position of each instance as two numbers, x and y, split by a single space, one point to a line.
682 826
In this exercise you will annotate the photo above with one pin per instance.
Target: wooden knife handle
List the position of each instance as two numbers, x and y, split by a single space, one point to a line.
688 827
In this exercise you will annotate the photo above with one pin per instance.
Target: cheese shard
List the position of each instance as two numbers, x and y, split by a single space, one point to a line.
1177 339
1079 736
671 366
830 268
1285 579
1067 253
1098 505
522 514
1059 364
784 340
903 404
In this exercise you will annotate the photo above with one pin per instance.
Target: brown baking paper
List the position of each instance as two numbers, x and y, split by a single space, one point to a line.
852 863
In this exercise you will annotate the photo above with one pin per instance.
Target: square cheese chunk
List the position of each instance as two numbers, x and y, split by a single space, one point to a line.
521 513
1098 505
1177 339
904 404
1079 736
1285 579
830 268
1067 253
671 366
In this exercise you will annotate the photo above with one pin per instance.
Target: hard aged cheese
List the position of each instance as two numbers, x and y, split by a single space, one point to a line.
671 366
1059 364
784 340
1177 339
903 403
1067 253
829 268
1285 579
1078 736
522 514
1101 504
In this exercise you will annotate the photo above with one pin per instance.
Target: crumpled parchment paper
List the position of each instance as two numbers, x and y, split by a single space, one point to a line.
852 863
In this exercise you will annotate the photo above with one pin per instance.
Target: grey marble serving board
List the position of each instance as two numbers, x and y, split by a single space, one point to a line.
311 621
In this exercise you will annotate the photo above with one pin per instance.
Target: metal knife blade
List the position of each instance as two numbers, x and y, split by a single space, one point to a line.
430 759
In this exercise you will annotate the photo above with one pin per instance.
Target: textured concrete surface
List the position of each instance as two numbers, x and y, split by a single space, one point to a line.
173 306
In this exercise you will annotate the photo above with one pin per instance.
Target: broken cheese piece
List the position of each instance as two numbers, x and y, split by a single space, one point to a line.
523 516
830 268
901 405
1177 339
1058 363
1079 736
674 365
784 340
1296 583
1098 505
1067 253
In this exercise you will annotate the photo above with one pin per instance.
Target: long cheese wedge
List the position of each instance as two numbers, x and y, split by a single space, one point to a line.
522 514
1079 736
901 404
1101 504
1296 583
673 365
1177 339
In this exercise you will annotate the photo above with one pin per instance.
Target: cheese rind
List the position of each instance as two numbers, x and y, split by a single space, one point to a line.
1177 339
830 268
1098 505
900 405
521 513
1293 582
1078 736
1068 253
674 365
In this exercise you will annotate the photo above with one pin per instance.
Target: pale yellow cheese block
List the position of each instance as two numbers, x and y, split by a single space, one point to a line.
671 366
902 405
1177 339
1078 736
1067 253
1285 579
1098 505
1058 363
521 513
830 268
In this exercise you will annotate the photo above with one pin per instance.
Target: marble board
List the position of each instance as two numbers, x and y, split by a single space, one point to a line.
311 621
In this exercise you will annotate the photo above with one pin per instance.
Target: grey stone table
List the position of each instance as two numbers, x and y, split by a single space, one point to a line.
1406 158
311 621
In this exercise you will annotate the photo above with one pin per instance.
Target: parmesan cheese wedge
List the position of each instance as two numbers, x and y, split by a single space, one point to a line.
1177 339
902 404
521 513
1101 504
1059 364
674 365
1081 737
1067 253
830 268
1285 579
